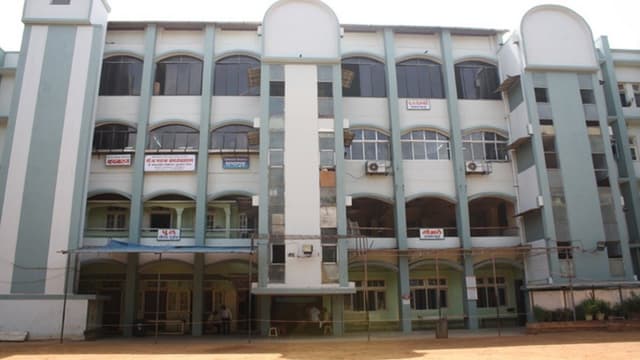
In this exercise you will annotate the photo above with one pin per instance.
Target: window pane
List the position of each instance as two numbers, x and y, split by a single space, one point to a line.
370 151
237 76
420 299
443 151
383 151
432 150
407 154
478 151
357 151
419 152
490 151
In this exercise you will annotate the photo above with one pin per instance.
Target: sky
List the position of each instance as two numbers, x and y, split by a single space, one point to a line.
618 19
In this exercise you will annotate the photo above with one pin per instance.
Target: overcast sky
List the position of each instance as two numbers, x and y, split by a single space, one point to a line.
617 19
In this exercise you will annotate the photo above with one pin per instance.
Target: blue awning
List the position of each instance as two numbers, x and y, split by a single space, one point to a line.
116 246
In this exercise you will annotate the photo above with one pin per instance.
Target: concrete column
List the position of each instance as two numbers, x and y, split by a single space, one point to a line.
197 312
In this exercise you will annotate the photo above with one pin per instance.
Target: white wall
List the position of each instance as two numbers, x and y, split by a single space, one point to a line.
482 113
447 243
288 26
170 41
7 83
43 318
474 46
519 121
509 55
499 181
527 189
371 43
433 176
124 108
225 108
125 40
437 117
102 177
11 59
556 36
627 73
230 41
233 180
366 112
357 181
186 182
185 109
417 44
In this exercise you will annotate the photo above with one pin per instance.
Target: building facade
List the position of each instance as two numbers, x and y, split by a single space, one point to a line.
154 172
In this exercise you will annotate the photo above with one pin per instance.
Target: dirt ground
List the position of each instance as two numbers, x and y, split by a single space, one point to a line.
575 345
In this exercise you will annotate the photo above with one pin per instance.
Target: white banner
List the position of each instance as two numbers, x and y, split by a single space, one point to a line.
418 104
118 160
169 234
432 234
170 162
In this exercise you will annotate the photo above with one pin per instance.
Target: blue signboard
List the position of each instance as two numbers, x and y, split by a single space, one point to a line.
235 163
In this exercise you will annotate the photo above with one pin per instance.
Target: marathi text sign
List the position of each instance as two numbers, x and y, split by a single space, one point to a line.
432 234
235 162
418 104
118 160
168 234
170 162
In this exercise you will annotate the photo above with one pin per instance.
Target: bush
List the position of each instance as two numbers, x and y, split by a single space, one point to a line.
630 307
542 314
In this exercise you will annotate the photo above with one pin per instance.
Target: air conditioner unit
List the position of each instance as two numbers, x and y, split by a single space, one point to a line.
376 167
307 250
477 167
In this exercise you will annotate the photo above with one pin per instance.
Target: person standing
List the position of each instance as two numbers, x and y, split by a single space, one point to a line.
314 317
225 316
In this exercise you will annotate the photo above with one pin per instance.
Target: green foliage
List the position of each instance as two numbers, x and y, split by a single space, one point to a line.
630 305
542 314
593 306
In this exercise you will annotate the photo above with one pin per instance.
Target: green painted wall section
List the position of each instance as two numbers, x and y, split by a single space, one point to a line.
263 209
341 207
29 274
533 226
13 111
84 147
135 218
525 158
398 176
203 179
528 80
457 158
580 191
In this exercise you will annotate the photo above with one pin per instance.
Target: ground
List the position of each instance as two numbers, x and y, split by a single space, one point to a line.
459 345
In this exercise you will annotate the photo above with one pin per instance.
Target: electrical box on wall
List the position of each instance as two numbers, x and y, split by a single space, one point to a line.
306 250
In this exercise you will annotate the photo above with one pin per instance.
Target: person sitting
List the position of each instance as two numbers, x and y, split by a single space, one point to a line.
213 322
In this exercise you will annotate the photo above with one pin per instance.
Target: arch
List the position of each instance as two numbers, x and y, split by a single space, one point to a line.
129 53
441 262
236 75
234 121
499 261
150 196
103 261
425 144
492 216
431 212
148 267
441 196
362 54
422 56
378 197
363 77
297 22
114 137
504 196
225 193
234 137
476 58
477 80
95 192
177 52
246 53
178 75
108 121
420 78
374 263
486 128
173 137
121 75
437 129
236 261
171 122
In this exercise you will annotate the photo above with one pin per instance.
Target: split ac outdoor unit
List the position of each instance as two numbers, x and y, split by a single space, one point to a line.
376 167
477 167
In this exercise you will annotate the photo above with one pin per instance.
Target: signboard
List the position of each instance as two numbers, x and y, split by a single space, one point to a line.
432 234
235 162
418 104
170 162
168 234
118 160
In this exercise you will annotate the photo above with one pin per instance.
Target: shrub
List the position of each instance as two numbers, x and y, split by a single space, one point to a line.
542 314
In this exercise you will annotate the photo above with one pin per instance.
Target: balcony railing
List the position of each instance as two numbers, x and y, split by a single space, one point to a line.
494 231
221 233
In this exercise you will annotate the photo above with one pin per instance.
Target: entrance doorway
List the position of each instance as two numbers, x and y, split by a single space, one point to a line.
291 314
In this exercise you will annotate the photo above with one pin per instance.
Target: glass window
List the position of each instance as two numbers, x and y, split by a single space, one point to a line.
160 218
60 2
636 93
376 294
234 138
425 145
634 148
541 95
587 96
121 75
487 297
114 137
423 293
237 76
368 145
178 75
419 78
477 80
484 145
623 95
116 218
173 137
277 254
329 254
363 77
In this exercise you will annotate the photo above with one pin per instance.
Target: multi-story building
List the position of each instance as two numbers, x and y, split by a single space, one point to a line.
390 175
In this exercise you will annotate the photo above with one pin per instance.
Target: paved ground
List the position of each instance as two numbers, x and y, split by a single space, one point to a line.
460 345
